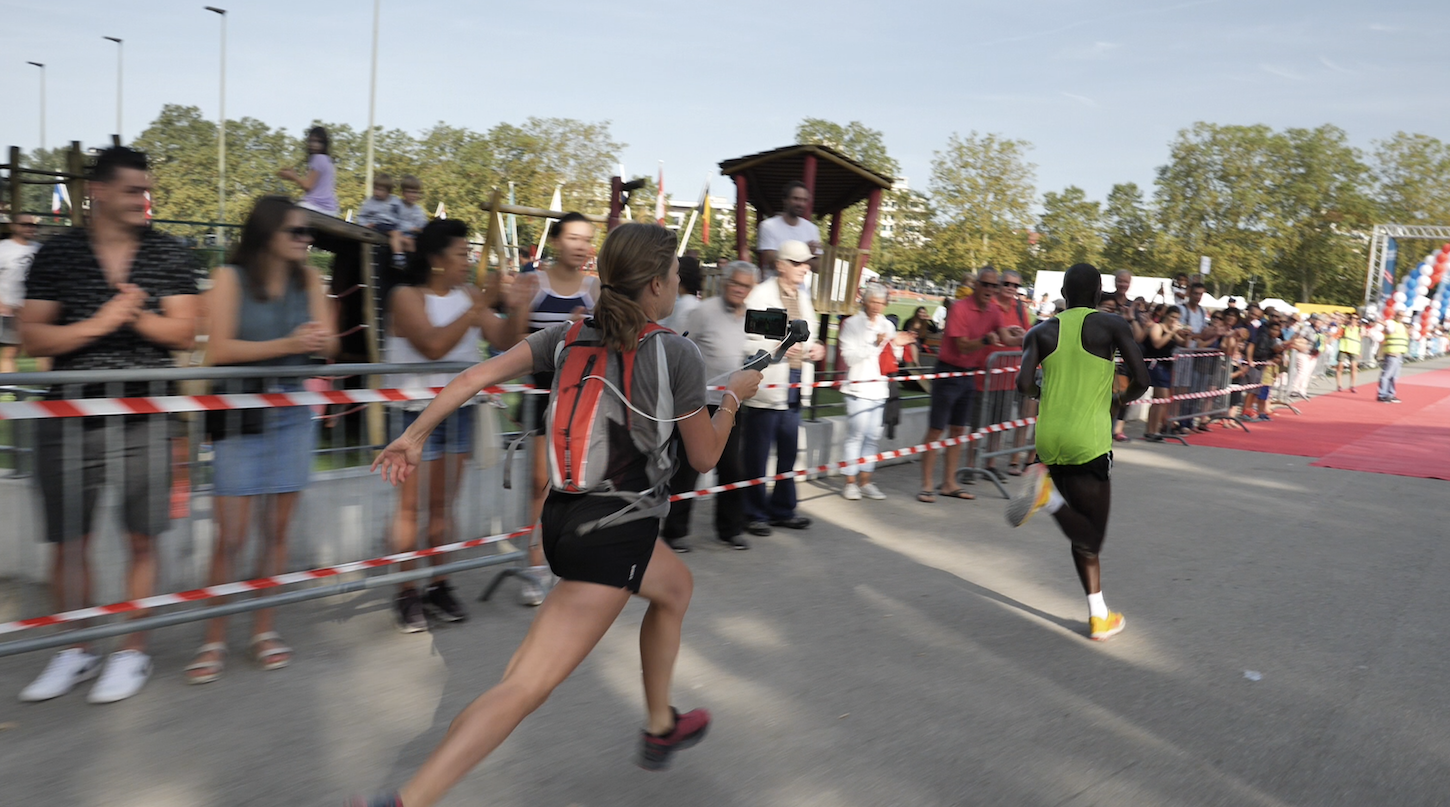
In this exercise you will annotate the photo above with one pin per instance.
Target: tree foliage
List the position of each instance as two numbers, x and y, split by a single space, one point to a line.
983 190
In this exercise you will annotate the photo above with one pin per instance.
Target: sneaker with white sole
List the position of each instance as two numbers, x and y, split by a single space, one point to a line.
852 492
66 669
870 491
1033 498
126 672
537 582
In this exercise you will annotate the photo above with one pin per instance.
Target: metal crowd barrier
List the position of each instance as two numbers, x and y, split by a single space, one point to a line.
140 471
1197 371
999 402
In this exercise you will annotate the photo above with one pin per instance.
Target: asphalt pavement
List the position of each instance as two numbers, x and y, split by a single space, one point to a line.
1285 646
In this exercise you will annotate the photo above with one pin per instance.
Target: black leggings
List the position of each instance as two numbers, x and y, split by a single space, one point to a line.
1084 519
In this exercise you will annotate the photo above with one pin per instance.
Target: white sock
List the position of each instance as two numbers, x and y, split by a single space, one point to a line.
1054 502
540 572
1096 606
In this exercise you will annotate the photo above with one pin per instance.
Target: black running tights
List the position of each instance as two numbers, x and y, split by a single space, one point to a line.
1084 520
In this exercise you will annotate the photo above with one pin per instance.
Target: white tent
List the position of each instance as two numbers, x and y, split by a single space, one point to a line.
1279 306
1152 289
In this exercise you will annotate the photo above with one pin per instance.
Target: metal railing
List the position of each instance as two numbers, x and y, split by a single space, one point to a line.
999 402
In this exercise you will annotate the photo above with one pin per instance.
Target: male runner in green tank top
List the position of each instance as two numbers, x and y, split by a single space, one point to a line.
1075 426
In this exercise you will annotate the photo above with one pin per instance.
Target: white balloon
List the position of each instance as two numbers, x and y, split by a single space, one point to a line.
1400 297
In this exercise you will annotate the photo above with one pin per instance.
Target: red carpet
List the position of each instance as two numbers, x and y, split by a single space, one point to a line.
1353 431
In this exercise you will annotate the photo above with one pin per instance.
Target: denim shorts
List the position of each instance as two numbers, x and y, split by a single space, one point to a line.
453 436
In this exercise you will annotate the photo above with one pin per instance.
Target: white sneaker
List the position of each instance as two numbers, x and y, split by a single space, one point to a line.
870 491
537 582
126 672
852 492
66 669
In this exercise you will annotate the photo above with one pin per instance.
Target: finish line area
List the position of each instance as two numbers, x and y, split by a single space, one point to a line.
894 653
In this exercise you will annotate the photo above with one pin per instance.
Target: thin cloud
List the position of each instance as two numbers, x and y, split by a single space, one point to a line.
1379 26
1097 50
1038 35
1338 69
1081 99
1281 72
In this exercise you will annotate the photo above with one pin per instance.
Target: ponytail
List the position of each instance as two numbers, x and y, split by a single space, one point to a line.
632 256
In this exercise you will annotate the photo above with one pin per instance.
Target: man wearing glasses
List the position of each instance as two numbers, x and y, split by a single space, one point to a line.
16 253
112 295
974 325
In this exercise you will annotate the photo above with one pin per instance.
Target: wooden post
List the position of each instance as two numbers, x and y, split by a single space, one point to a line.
742 198
836 229
868 232
494 239
17 197
76 167
616 202
808 176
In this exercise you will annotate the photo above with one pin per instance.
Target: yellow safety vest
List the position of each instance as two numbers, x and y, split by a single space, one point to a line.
1350 340
1397 341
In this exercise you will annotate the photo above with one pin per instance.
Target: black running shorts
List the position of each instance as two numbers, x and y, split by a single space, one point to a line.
1102 468
614 556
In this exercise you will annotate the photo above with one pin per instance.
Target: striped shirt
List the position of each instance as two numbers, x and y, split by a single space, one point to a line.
550 308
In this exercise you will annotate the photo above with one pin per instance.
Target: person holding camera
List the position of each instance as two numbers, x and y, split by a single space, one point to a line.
773 418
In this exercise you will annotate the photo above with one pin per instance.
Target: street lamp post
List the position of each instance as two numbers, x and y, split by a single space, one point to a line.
120 134
221 143
42 102
372 102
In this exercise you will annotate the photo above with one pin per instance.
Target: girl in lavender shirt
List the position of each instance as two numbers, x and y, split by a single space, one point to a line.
319 182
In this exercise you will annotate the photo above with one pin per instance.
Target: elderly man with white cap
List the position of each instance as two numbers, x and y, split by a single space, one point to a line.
772 418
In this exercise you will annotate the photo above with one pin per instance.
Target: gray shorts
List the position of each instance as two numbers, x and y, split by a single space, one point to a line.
9 330
74 462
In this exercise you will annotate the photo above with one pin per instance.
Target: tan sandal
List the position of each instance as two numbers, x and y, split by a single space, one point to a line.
215 666
267 659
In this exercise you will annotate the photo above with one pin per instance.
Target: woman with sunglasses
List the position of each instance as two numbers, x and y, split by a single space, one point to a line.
268 310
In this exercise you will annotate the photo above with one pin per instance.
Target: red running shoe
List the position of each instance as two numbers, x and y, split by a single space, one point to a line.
689 730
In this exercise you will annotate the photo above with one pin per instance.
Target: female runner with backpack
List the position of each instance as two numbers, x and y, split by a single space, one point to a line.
600 534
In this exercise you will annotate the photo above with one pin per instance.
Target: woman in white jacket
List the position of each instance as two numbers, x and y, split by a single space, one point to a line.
863 339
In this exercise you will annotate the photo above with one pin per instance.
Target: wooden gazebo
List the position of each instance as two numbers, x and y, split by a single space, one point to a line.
835 182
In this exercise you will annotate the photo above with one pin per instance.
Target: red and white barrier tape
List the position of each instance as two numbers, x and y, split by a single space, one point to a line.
245 586
167 404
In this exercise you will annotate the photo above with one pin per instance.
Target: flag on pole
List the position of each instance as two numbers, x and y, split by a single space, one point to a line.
148 205
660 197
705 230
441 212
59 194
556 203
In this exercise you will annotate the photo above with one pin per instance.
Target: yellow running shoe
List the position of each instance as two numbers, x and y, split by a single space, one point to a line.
1032 499
1106 628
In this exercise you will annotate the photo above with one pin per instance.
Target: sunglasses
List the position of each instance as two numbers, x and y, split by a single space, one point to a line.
984 284
798 263
301 233
1013 285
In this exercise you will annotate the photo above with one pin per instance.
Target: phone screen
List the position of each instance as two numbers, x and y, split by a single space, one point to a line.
770 322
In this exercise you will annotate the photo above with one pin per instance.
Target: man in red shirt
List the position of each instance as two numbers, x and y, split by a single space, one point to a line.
1001 390
974 325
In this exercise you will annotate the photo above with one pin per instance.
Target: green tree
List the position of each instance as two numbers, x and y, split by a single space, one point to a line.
1411 178
1128 231
1069 231
982 188
1215 197
1322 211
867 146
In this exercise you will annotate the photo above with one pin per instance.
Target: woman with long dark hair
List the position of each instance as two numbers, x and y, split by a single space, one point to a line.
319 183
267 309
604 546
435 315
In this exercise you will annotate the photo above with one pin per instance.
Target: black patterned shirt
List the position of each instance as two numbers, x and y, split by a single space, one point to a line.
66 271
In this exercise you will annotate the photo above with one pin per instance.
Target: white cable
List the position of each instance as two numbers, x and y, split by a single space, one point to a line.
636 409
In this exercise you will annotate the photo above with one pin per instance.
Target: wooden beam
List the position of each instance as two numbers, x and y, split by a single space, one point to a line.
538 212
77 167
616 202
742 199
16 189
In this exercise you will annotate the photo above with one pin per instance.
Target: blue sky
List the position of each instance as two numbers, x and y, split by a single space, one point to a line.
1098 88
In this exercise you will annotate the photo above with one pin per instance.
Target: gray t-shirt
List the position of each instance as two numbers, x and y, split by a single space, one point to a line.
720 335
668 382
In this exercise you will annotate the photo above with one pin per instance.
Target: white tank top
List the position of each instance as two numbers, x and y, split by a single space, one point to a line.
441 311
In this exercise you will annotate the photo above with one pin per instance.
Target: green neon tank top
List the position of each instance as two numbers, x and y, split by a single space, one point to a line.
1074 423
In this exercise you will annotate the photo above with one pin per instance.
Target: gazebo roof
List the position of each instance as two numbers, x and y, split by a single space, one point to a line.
840 180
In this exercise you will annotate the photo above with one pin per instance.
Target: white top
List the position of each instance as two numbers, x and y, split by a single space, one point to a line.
441 311
678 319
939 317
551 308
862 355
720 335
774 231
767 295
14 267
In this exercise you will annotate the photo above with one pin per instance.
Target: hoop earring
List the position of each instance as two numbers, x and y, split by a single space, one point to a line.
437 270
